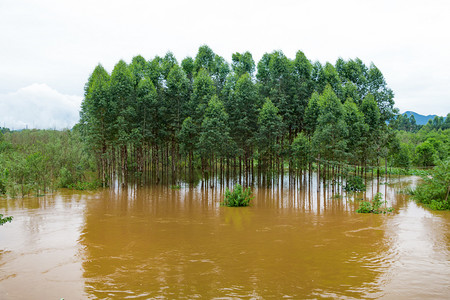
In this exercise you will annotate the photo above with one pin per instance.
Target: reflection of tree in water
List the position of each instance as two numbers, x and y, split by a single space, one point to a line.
179 243
237 216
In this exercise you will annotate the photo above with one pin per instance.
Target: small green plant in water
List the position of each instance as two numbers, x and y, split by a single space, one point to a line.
238 197
374 206
5 219
175 187
355 184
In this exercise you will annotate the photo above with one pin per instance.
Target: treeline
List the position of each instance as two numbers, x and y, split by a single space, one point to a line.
35 162
423 148
158 115
405 123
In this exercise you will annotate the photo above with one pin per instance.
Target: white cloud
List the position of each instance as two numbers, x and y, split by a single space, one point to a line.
39 106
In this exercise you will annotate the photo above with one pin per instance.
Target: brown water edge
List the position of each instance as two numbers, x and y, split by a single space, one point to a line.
156 242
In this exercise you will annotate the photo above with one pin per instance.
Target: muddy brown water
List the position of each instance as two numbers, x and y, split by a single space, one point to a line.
162 243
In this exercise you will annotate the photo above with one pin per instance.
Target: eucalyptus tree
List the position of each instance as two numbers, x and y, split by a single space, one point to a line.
277 81
124 111
242 64
301 151
242 108
318 77
353 73
188 139
383 95
176 101
154 72
139 69
374 134
205 59
214 133
220 73
97 117
329 137
312 114
149 117
188 66
168 62
331 77
269 134
304 87
203 90
357 131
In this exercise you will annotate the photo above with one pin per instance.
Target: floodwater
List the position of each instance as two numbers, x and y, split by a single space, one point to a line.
162 243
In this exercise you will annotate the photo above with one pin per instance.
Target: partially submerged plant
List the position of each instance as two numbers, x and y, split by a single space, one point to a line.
374 206
238 197
5 219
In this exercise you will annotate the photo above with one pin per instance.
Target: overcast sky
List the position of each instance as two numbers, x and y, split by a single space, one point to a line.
49 47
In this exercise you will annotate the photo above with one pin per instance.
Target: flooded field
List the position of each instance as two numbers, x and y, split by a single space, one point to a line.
158 242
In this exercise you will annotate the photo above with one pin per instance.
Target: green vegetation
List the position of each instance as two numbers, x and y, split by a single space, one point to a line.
355 184
155 117
3 220
238 197
434 191
374 206
158 120
34 162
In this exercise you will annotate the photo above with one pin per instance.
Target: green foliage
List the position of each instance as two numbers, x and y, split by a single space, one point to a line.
329 136
435 189
153 115
374 206
38 161
238 197
214 130
355 184
425 154
4 220
364 207
270 130
65 178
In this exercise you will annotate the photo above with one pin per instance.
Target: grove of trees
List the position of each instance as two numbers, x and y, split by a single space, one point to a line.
157 116
151 120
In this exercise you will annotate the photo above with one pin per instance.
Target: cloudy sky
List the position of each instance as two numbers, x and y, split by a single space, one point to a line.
50 47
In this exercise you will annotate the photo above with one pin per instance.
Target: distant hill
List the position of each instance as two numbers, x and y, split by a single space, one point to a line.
420 119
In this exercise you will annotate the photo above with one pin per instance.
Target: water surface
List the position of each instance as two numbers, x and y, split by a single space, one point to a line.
158 242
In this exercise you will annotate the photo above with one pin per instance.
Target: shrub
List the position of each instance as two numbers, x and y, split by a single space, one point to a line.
238 197
434 191
85 185
65 178
374 206
5 219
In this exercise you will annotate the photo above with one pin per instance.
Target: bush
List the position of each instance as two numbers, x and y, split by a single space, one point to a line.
65 178
238 197
434 191
5 219
374 206
355 184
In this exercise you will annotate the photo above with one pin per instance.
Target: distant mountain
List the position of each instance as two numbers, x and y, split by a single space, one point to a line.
420 119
